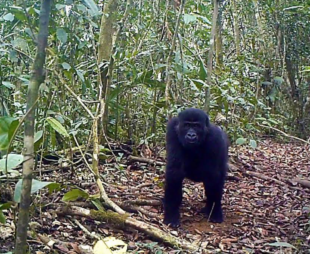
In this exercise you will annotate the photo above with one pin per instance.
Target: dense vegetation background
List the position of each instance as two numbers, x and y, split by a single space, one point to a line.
155 62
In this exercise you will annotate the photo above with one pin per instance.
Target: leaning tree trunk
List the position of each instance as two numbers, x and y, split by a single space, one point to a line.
28 151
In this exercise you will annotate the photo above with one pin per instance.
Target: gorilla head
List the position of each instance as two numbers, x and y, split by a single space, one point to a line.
192 127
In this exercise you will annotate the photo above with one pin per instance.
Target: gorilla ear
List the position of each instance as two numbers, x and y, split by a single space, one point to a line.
207 121
177 125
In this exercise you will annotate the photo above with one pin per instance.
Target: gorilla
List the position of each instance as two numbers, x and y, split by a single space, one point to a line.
197 150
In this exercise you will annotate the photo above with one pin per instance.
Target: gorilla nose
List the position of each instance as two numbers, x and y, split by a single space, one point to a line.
191 136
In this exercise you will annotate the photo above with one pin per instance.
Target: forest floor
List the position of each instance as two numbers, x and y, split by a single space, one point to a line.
266 210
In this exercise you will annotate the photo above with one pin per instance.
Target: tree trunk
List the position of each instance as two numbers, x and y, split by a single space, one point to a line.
172 47
107 32
210 56
218 40
28 151
236 27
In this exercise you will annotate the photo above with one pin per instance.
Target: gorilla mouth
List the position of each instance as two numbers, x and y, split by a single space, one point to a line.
192 141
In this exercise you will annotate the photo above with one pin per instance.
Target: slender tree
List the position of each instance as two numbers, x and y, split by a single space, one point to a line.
28 151
107 32
210 55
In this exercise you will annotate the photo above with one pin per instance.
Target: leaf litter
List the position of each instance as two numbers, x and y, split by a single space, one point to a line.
266 209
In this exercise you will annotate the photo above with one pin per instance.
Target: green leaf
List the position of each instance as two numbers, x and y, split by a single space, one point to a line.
278 80
62 35
53 186
13 161
202 71
104 149
266 83
81 75
19 13
2 217
74 195
57 126
273 121
8 17
204 19
281 244
8 84
97 204
240 141
253 143
36 186
94 11
6 205
66 66
13 56
37 136
60 6
189 18
81 8
38 140
199 84
20 43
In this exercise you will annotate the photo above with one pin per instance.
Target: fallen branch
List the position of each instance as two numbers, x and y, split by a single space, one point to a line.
264 177
146 160
135 209
283 133
302 182
144 202
123 220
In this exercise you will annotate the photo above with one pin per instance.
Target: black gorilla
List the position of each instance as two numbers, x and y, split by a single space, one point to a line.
197 150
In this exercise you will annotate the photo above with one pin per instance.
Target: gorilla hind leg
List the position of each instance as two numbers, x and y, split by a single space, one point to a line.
213 209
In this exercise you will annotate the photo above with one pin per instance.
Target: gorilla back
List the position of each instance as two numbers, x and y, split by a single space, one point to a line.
197 150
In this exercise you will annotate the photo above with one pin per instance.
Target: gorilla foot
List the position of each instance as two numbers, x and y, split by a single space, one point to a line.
216 216
172 222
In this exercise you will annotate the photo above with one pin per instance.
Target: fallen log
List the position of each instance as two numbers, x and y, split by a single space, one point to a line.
123 220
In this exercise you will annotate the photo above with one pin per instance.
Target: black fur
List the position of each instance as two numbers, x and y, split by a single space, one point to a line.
197 150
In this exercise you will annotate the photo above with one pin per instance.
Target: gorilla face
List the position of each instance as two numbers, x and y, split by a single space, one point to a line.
192 127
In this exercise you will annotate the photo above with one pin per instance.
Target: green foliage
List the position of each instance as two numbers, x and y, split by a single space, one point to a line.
8 126
4 206
75 194
13 160
35 187
57 126
240 141
247 89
